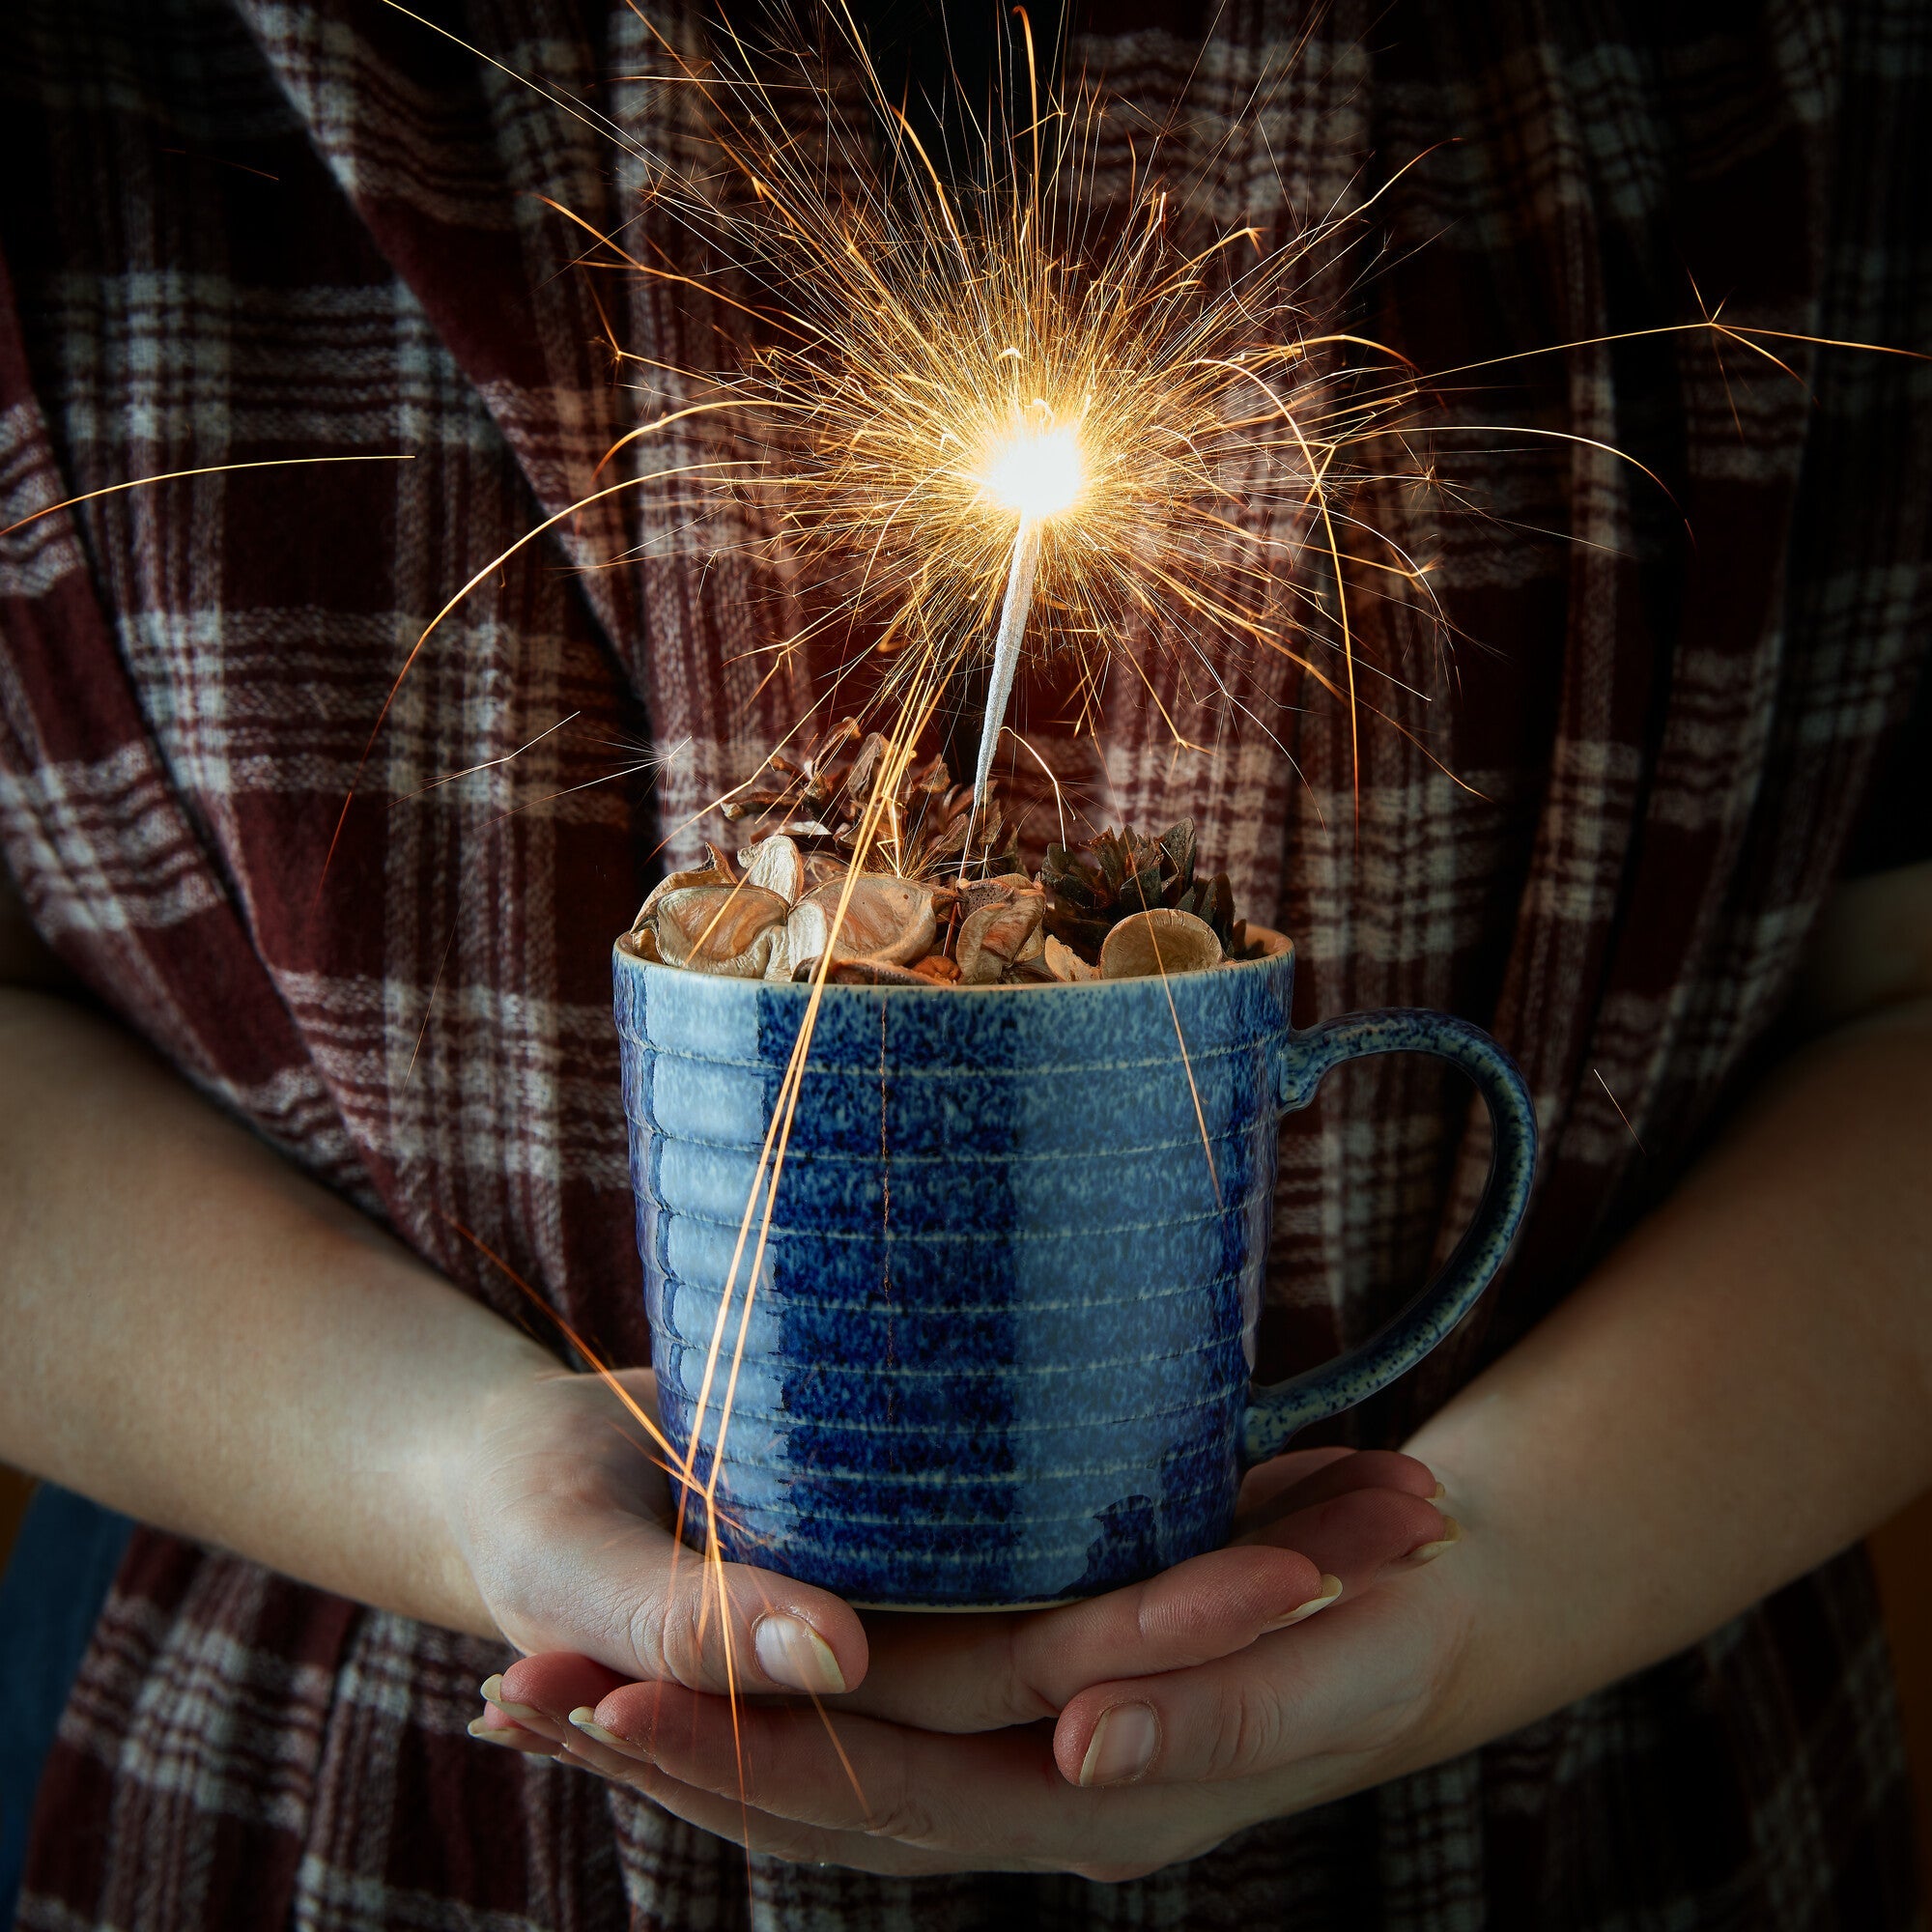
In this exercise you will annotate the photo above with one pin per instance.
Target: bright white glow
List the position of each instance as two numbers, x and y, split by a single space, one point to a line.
1039 473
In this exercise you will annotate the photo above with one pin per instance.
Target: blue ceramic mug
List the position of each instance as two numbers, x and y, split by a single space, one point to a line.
1000 1344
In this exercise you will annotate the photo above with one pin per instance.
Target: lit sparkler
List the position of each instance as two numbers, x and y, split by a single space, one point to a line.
1002 420
1039 474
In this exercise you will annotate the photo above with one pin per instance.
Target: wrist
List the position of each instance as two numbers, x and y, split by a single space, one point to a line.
1493 1606
1458 1598
465 1439
1431 1635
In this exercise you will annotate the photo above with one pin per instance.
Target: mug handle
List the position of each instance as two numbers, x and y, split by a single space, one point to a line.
1275 1414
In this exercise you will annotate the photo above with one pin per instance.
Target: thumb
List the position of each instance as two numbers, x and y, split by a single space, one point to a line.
619 1589
1349 1685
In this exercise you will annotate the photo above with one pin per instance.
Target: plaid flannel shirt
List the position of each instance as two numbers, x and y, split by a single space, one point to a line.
246 229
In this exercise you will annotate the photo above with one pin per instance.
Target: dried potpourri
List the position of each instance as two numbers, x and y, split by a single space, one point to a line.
819 800
1120 907
1091 889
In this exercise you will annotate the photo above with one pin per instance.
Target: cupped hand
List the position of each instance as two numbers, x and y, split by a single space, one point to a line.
563 1512
1109 1737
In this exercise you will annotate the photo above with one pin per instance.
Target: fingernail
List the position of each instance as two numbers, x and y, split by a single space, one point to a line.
1436 1495
793 1654
1332 1588
1427 1552
592 1729
485 1732
1123 1745
492 1689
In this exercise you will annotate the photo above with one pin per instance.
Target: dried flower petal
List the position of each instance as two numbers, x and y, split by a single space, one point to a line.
887 919
719 928
1177 843
673 882
995 936
875 973
825 869
1064 963
1161 941
775 865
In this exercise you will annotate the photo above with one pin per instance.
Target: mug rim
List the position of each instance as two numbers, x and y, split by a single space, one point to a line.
1280 946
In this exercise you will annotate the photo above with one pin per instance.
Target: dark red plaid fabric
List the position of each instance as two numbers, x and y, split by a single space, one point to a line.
241 229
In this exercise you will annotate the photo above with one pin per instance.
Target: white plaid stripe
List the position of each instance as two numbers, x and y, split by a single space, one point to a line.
106 843
35 559
317 368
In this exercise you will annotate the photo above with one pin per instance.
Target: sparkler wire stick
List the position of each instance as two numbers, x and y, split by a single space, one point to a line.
1014 608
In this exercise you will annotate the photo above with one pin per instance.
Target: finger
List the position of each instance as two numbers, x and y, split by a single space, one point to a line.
838 1771
982 1673
554 1681
1282 1472
1219 1604
1346 1684
730 1818
1354 1536
539 1692
496 1727
623 1591
1288 1483
976 1674
991 1802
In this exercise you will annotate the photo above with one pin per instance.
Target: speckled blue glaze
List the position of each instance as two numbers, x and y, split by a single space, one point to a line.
999 1348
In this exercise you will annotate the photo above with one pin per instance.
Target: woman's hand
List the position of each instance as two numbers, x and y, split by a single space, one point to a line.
561 1510
1195 1682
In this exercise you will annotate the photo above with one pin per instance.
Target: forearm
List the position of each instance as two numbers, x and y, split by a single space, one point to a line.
201 1337
1740 1391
